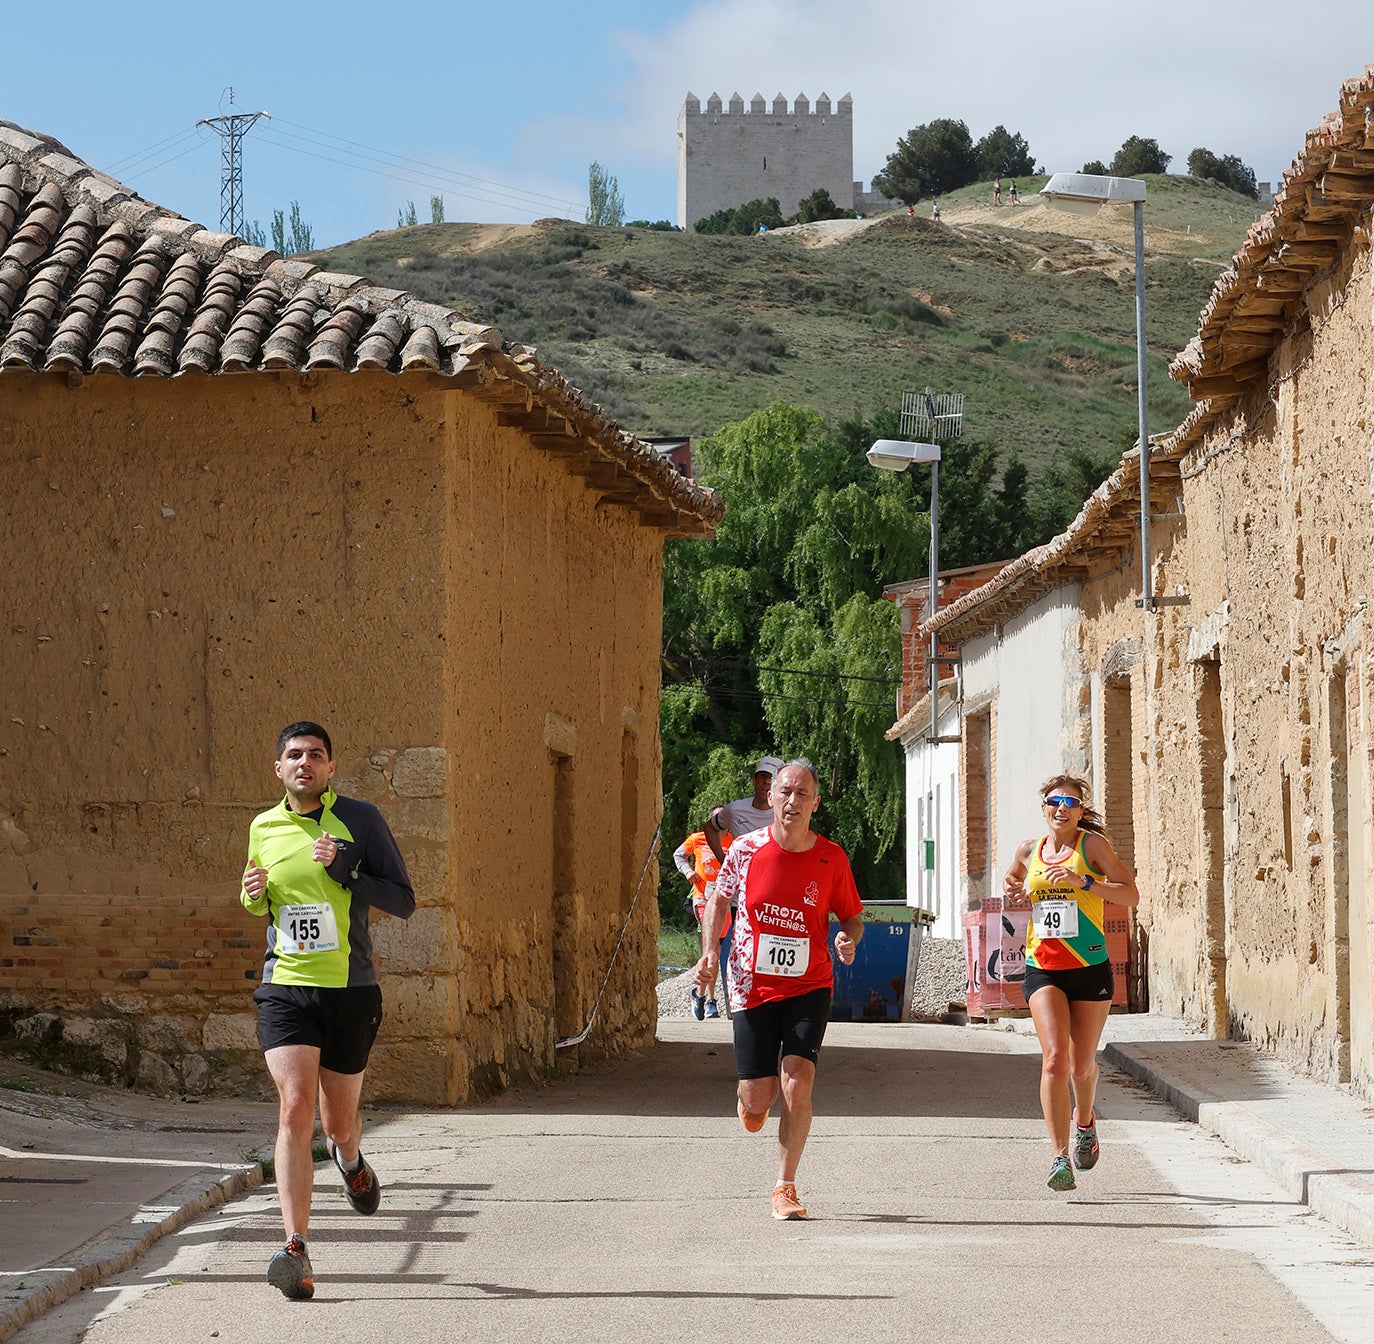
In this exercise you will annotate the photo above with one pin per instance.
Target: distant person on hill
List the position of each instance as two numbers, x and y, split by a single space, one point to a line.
997 192
1011 191
935 210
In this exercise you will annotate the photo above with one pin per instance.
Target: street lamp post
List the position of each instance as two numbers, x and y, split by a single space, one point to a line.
1085 193
898 455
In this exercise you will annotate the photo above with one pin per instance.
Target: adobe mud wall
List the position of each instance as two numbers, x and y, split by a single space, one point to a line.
1253 827
192 564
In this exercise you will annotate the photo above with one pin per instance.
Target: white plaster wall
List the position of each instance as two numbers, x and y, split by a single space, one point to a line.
1033 675
932 808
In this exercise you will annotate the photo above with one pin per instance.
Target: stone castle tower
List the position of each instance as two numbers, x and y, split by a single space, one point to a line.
727 155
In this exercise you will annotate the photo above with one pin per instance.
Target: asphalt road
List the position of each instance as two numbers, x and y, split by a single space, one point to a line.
628 1204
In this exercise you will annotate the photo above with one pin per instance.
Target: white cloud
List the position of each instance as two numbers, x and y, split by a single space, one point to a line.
1075 77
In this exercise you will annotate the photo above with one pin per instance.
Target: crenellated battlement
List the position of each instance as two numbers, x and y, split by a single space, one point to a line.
729 153
691 106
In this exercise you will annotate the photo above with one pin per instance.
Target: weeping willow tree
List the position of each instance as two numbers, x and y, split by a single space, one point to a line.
776 635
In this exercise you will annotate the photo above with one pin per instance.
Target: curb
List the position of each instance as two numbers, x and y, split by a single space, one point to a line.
116 1249
1343 1198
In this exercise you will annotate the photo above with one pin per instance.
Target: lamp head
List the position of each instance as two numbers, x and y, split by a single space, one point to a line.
899 454
1084 193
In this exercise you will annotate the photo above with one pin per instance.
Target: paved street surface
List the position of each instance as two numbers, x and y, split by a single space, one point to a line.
627 1203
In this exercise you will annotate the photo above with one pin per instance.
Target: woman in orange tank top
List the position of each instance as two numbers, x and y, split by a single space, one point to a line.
1065 876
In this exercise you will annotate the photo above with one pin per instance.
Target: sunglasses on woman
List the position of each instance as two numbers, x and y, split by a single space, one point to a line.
1063 800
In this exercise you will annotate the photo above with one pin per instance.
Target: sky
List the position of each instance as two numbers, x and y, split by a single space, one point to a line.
501 108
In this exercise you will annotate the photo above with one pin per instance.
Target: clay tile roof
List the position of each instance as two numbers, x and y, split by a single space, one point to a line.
1260 296
96 281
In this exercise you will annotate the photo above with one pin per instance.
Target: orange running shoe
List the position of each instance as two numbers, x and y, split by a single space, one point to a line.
787 1208
753 1121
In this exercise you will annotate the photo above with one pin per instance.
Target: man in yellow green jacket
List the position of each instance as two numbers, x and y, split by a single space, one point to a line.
317 863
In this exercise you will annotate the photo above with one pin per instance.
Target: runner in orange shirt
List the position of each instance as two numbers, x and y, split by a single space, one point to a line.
697 862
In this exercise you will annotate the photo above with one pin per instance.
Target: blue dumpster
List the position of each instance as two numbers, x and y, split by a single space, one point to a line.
875 986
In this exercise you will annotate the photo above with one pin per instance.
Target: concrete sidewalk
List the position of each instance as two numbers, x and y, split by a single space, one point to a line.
1315 1139
92 1178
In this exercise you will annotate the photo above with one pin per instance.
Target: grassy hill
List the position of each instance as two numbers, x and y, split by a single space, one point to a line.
1028 312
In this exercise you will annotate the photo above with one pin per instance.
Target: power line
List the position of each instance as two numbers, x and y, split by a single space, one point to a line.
755 696
710 664
407 177
356 148
120 165
162 163
340 151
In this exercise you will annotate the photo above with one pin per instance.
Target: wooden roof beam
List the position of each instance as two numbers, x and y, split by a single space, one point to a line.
1281 280
558 443
1313 230
1219 386
1353 160
1309 256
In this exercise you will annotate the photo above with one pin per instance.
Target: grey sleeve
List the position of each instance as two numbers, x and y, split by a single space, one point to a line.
370 865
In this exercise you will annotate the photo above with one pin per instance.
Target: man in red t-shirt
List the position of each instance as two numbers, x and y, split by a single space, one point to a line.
784 882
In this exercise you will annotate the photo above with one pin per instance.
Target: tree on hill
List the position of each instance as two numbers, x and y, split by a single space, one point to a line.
298 238
1227 172
1094 167
929 160
1138 155
605 204
1002 154
744 219
819 205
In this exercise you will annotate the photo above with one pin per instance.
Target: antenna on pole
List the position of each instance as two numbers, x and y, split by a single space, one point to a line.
231 127
932 418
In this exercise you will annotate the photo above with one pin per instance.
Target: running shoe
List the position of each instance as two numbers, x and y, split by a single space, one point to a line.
1061 1174
753 1121
1086 1149
787 1208
698 1006
711 1009
362 1187
289 1270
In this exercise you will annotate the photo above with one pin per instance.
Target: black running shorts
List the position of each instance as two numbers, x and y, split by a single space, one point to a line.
340 1023
763 1035
1082 984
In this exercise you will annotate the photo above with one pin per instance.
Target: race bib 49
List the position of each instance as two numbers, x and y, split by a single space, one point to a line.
1055 919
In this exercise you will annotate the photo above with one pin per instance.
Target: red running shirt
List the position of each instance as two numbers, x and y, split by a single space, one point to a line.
783 903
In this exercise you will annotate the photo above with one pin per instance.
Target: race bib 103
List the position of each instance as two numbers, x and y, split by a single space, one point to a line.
782 956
